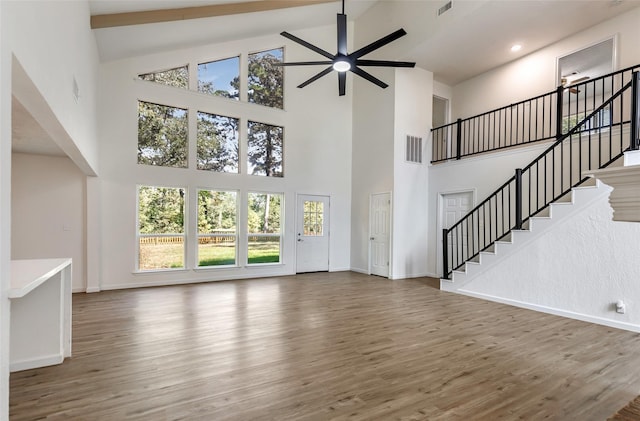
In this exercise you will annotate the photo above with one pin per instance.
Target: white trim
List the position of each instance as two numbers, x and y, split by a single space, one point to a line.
28 364
390 257
614 56
554 311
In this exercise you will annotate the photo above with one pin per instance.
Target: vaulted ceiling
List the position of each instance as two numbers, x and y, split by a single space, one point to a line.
472 37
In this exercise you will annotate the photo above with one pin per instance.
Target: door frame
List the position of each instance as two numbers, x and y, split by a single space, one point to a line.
390 233
297 221
440 220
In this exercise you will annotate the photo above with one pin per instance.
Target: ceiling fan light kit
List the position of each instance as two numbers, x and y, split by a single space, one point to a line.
343 62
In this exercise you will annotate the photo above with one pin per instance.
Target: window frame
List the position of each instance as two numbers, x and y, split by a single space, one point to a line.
197 265
185 236
280 233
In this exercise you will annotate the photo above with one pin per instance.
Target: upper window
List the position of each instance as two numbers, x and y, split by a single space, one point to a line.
221 77
217 143
178 77
265 149
265 79
217 232
161 234
162 135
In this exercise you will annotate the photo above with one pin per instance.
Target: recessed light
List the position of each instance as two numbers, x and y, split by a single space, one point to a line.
516 47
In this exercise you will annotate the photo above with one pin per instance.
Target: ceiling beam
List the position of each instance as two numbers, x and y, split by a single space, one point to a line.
184 13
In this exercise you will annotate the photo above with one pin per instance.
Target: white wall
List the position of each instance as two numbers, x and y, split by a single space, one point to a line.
372 163
580 268
54 44
317 155
412 116
5 211
535 73
48 218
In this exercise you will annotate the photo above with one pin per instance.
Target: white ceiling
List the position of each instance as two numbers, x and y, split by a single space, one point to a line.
471 38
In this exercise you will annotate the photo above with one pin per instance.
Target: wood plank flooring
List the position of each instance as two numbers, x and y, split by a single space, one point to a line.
328 346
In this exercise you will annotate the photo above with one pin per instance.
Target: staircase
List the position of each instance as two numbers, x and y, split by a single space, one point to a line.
593 130
556 213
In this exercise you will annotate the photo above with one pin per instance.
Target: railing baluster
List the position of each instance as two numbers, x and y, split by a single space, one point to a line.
635 112
518 218
445 253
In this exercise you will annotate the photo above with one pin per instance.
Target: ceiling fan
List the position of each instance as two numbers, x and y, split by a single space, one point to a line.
564 81
342 61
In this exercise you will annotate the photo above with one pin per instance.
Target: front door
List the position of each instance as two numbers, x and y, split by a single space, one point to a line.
312 234
380 234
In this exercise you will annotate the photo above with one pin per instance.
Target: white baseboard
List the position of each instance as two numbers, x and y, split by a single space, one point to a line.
43 361
555 311
92 289
358 270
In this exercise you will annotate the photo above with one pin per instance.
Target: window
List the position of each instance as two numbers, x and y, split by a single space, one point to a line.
161 234
313 218
178 77
220 78
265 149
217 233
265 79
217 143
601 121
162 135
263 219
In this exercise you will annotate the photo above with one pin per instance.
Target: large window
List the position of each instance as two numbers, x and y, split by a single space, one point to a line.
264 221
266 80
220 78
217 232
162 135
161 233
178 77
265 147
217 143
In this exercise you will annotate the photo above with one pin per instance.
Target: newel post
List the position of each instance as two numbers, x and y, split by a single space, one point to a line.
458 138
559 105
445 254
635 112
518 199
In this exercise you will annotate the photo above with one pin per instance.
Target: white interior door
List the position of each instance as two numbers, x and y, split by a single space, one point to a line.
454 207
379 234
312 234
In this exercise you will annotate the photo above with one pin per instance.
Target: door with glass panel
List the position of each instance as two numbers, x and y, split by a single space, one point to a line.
312 233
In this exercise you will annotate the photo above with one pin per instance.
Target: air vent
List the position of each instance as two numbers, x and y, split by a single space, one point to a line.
414 149
444 8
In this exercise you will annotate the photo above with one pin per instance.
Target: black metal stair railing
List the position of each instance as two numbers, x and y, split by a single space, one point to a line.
542 118
600 137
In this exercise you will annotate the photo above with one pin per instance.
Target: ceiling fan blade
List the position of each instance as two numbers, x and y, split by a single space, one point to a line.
303 63
369 77
342 34
342 83
377 44
316 77
580 79
306 44
385 63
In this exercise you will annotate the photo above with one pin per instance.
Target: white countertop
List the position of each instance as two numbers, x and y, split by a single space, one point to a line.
27 274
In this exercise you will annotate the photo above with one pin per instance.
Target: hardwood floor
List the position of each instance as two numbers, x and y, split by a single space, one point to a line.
324 346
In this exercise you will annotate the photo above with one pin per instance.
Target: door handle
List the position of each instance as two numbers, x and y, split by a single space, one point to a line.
372 238
300 240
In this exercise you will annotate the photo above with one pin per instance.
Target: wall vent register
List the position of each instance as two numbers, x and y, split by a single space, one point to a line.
413 150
